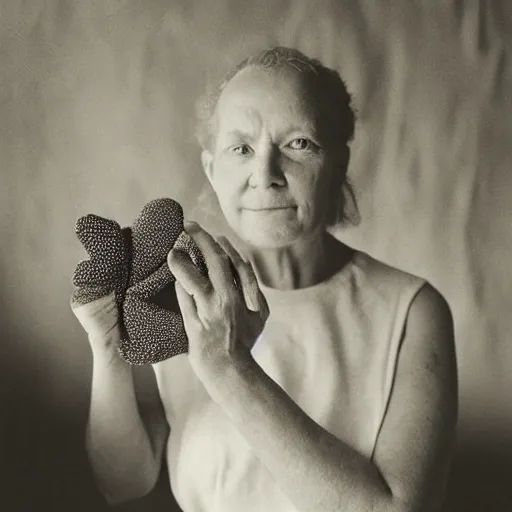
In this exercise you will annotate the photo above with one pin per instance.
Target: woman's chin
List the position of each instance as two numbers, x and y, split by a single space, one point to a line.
270 236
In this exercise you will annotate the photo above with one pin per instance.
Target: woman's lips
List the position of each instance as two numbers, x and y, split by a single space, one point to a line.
270 208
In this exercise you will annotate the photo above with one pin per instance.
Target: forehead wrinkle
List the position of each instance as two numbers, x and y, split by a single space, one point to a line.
304 106
241 121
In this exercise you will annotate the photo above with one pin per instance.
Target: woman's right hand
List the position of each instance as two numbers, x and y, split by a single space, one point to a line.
101 321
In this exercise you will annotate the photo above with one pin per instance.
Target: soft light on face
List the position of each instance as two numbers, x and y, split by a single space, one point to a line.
270 165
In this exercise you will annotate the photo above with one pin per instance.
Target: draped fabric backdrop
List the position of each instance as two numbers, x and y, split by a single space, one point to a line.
96 115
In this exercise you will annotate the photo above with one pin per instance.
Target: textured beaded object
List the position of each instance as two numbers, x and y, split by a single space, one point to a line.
132 263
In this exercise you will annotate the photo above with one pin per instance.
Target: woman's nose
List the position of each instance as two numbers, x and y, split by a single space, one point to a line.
267 171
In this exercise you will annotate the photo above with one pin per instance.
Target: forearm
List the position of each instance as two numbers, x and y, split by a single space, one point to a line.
315 469
121 453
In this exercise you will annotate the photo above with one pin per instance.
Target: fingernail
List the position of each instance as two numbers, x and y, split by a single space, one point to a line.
251 305
189 225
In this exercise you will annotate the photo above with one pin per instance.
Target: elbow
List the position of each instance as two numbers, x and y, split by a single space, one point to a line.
122 486
120 494
401 506
114 500
123 479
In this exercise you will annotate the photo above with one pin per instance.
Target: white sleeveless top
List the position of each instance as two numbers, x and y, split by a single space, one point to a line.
332 347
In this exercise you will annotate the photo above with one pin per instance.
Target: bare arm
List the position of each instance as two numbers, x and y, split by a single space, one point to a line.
125 437
125 443
322 473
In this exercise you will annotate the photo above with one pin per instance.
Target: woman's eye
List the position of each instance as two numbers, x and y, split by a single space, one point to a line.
242 149
301 144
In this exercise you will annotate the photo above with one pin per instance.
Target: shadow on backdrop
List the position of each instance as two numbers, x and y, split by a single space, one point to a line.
97 97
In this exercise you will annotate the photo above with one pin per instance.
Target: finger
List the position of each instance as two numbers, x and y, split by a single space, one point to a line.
216 259
187 308
251 289
186 244
246 276
191 279
263 304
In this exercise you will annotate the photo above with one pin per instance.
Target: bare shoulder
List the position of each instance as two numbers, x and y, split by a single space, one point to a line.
429 341
430 306
429 329
416 440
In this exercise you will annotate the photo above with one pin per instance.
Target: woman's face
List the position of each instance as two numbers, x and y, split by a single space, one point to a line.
270 165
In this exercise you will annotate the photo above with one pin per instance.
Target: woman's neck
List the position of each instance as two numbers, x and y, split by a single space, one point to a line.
306 263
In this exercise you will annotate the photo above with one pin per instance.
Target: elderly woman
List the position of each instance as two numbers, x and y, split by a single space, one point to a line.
325 380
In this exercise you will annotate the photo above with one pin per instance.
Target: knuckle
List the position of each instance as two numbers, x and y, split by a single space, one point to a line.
205 287
194 324
233 255
222 305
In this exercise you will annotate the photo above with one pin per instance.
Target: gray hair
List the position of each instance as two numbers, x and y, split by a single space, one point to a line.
325 79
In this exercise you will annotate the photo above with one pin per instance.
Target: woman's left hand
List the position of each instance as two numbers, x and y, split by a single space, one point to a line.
224 313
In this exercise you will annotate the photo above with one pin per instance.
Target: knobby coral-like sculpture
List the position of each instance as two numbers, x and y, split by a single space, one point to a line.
132 263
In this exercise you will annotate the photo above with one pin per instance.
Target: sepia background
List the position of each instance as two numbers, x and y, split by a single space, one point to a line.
96 115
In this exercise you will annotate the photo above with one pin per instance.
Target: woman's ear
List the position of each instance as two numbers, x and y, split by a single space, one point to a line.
207 161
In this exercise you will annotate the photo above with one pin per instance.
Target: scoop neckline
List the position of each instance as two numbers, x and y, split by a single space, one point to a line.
306 292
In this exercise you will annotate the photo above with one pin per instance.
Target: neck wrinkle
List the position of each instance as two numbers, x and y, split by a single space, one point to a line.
302 266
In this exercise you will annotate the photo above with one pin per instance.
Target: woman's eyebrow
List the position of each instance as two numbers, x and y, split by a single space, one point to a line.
236 133
303 127
306 129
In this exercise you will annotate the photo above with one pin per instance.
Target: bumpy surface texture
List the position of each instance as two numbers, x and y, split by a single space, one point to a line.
107 270
132 263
